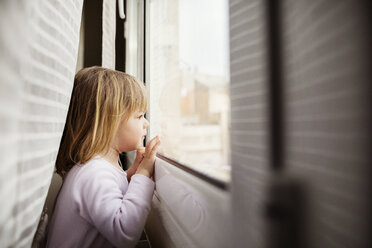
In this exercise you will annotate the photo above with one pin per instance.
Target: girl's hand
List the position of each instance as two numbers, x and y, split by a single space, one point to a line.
133 168
139 156
146 166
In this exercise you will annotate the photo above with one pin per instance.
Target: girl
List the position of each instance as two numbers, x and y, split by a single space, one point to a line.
99 204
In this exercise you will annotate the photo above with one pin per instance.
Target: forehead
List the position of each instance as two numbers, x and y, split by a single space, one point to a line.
139 111
136 113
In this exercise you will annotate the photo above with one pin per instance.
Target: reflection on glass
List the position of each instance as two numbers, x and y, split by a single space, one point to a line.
188 80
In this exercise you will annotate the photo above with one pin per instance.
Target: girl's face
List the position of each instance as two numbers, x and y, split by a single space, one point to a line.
131 133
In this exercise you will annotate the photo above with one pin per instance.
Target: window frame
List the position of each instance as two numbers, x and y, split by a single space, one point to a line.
137 70
167 225
224 185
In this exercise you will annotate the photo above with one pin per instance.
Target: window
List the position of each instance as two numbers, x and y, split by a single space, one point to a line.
134 36
187 72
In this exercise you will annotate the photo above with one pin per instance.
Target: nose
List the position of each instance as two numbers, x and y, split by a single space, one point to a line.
146 123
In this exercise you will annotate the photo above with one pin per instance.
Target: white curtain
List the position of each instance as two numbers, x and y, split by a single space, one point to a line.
108 33
38 54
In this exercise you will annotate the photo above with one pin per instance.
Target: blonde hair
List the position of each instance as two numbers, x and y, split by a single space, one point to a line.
100 99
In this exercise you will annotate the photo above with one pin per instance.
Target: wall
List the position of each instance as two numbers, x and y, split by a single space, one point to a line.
38 47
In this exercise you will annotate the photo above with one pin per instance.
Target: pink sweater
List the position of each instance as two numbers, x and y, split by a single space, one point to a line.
97 207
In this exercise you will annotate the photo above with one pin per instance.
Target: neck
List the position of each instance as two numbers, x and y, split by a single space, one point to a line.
112 156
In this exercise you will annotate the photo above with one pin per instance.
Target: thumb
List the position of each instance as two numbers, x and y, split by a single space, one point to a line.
140 151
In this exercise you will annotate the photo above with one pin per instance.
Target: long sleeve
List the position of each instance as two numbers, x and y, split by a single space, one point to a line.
119 216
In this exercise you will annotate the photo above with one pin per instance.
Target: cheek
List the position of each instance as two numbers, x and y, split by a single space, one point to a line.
122 134
130 134
127 141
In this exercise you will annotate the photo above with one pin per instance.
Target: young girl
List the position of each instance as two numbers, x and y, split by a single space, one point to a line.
99 204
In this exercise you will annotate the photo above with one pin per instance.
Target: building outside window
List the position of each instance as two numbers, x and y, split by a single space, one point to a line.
187 72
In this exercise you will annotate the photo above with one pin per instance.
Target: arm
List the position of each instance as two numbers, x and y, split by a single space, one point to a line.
100 200
119 218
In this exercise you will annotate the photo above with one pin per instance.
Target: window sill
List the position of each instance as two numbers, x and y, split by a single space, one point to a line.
205 177
187 209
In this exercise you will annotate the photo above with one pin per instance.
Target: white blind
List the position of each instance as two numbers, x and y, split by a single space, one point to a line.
326 52
249 124
38 47
327 119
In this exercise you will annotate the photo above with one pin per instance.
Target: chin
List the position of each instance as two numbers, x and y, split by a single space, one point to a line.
130 148
140 144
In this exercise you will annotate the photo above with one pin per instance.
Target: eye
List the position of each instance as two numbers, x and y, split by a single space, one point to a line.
139 117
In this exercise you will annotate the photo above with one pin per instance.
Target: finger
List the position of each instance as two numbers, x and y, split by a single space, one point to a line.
150 145
139 159
151 141
155 149
140 153
141 150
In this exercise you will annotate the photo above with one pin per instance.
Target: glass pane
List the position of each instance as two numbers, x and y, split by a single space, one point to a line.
188 78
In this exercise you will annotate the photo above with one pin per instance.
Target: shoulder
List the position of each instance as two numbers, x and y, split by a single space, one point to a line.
95 173
99 167
94 179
